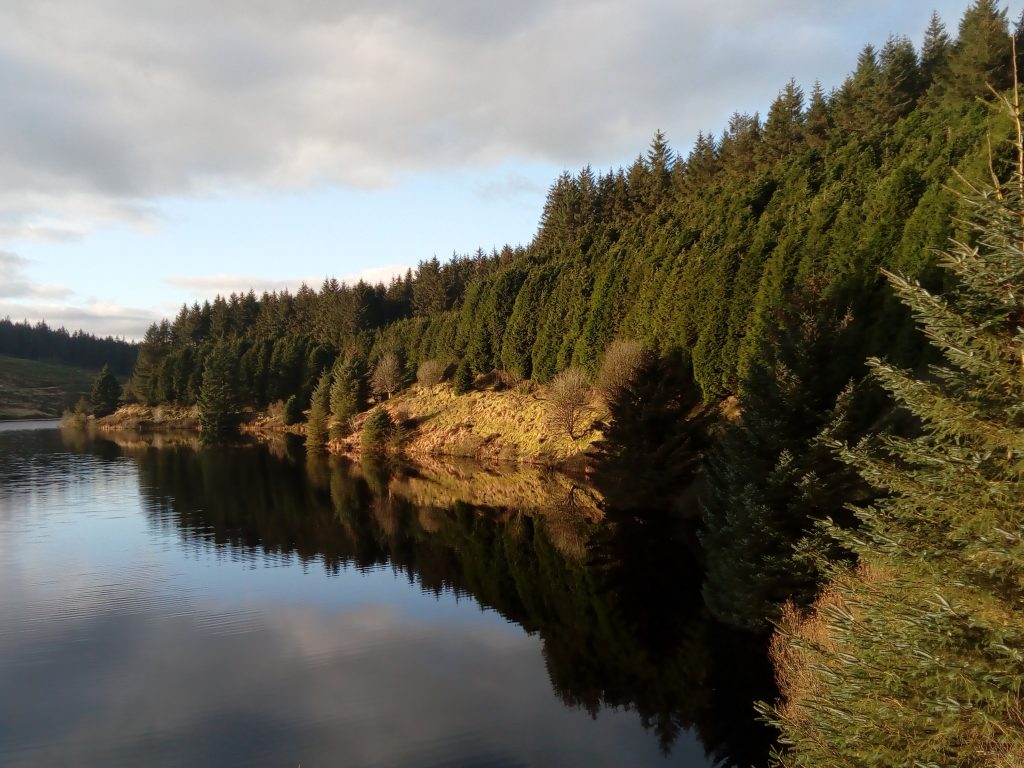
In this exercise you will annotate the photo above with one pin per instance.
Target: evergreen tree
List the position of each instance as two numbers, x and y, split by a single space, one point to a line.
292 411
218 403
981 53
348 395
935 51
106 393
918 653
462 381
770 473
319 413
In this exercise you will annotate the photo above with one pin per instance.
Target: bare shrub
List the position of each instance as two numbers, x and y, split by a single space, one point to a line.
569 401
429 373
387 375
618 367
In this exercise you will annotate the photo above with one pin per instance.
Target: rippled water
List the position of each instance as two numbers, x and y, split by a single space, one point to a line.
243 606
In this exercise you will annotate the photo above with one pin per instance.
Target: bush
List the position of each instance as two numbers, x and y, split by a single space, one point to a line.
378 430
569 401
618 367
387 375
429 373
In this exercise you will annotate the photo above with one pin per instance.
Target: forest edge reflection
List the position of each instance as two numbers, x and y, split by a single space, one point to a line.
613 595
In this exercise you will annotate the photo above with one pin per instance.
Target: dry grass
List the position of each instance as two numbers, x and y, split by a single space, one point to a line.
506 425
141 418
440 481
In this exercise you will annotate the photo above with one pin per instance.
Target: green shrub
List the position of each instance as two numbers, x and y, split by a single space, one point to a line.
378 430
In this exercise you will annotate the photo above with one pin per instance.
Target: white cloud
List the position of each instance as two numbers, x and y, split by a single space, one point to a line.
14 284
110 105
101 318
208 286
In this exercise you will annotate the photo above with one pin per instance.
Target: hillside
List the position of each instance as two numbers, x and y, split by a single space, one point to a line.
30 389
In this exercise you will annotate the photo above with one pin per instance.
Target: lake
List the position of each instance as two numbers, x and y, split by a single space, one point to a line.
165 604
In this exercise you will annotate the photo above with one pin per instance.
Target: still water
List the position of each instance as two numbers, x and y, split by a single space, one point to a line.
168 605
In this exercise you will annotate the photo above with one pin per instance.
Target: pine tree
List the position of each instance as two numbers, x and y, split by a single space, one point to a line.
462 381
935 51
348 395
218 404
106 393
319 413
918 653
981 51
770 474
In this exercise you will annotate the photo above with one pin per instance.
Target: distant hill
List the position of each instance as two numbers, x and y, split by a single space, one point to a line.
58 345
30 389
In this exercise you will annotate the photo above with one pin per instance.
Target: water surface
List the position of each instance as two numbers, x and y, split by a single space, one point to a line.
176 606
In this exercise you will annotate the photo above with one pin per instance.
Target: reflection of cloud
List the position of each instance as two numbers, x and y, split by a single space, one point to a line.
15 285
295 685
112 104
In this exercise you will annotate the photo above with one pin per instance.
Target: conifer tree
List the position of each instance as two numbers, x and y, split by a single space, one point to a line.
979 56
935 51
770 475
106 393
462 381
319 413
218 405
917 655
348 395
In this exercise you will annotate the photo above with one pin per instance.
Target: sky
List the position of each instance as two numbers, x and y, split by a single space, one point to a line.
155 152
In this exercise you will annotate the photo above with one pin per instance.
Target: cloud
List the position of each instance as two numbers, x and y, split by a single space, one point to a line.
208 286
101 318
511 186
15 285
166 673
111 105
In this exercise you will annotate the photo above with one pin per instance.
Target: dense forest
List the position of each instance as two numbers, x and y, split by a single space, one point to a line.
57 345
699 253
788 266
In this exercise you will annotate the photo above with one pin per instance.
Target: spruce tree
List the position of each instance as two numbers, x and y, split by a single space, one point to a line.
348 395
106 393
462 381
916 656
218 404
319 413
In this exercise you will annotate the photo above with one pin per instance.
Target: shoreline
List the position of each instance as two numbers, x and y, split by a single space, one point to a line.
490 426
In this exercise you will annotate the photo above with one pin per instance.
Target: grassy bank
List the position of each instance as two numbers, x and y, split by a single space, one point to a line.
494 425
506 425
30 389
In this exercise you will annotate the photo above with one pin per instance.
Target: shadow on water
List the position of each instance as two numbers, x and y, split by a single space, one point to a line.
614 596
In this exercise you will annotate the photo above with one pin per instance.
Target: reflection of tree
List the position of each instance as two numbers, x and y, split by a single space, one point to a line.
617 604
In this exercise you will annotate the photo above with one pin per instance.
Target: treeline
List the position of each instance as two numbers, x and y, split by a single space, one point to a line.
698 253
57 345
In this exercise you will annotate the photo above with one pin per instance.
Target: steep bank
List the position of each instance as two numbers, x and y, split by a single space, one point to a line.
509 425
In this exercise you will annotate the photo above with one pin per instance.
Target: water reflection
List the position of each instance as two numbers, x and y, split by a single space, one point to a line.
385 678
